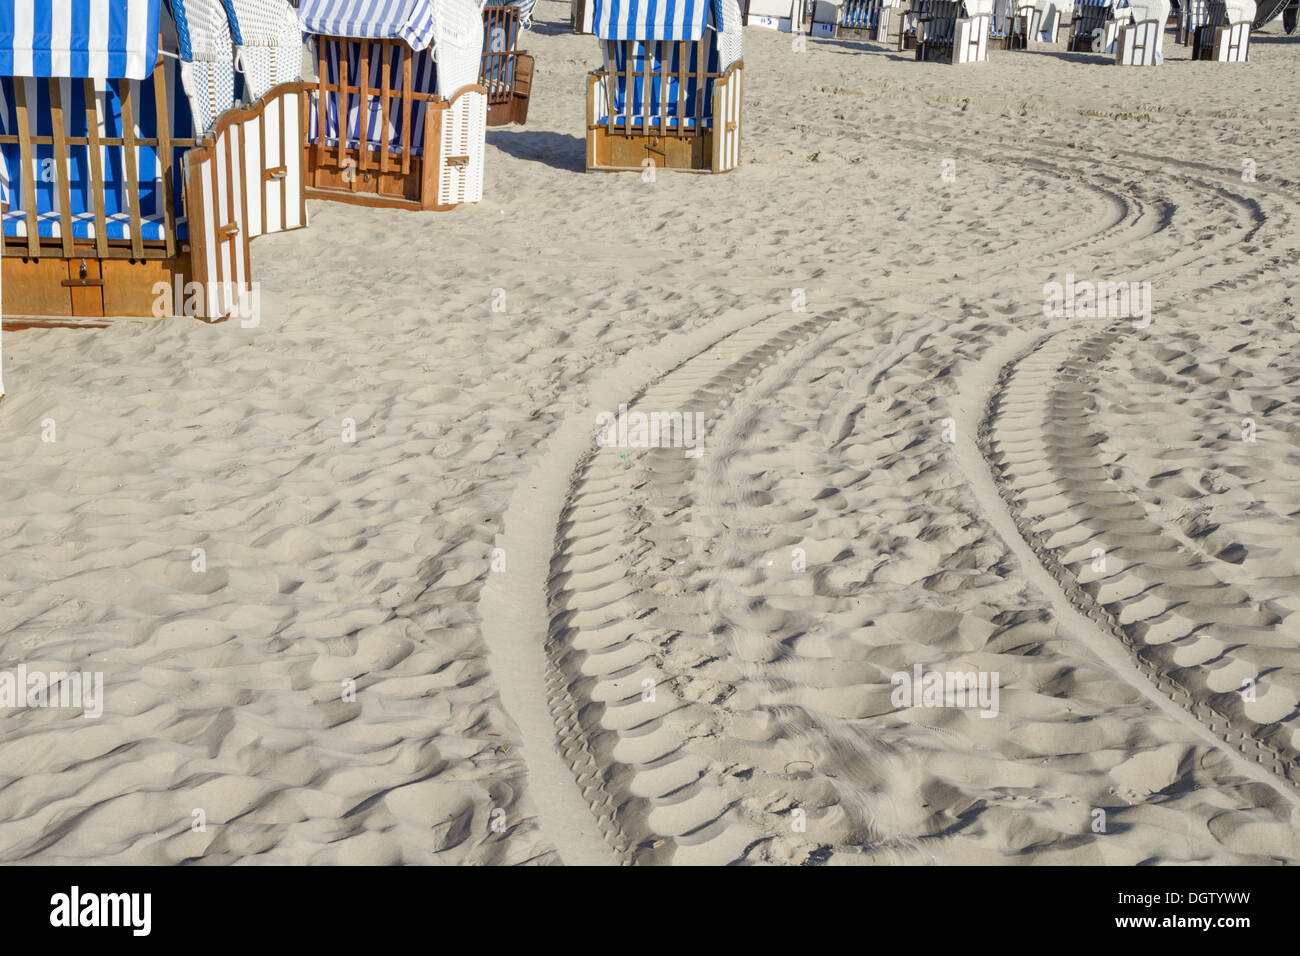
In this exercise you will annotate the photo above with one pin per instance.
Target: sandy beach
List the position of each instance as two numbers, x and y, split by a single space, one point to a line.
365 587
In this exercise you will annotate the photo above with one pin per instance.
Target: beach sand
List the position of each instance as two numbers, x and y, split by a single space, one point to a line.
473 636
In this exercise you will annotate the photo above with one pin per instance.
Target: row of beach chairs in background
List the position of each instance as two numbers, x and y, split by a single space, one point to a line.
1130 31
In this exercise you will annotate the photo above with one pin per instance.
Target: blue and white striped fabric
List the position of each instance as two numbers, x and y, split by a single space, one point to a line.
861 14
424 79
103 39
656 19
640 106
112 158
408 20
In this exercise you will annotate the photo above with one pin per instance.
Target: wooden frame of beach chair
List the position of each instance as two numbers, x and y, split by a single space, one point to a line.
507 73
242 179
1220 40
612 145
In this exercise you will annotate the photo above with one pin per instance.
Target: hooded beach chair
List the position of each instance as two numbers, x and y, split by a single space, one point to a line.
670 92
954 31
123 171
1093 28
506 72
1024 24
406 130
1225 35
1141 33
1007 28
850 19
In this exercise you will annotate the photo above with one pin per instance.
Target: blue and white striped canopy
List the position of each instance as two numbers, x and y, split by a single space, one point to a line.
656 19
408 20
103 39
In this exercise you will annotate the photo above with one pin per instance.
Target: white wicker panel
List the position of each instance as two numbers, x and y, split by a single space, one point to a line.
458 44
209 81
271 53
464 133
729 41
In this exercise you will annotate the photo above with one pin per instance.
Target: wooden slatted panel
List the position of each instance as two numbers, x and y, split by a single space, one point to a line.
496 73
96 167
681 81
342 99
627 87
230 213
287 161
406 108
29 175
321 101
647 66
664 68
363 107
701 64
386 68
162 109
611 94
215 230
61 165
132 180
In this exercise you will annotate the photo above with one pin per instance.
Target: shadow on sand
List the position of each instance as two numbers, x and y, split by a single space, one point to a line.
558 150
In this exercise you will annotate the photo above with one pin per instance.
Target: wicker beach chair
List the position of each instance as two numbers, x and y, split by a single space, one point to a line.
1092 27
148 173
669 94
1141 32
850 19
954 31
1008 26
397 115
1225 35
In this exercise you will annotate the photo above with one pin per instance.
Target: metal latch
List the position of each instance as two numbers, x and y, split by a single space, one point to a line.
81 281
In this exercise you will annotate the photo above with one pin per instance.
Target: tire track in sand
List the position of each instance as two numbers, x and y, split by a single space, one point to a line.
1031 464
